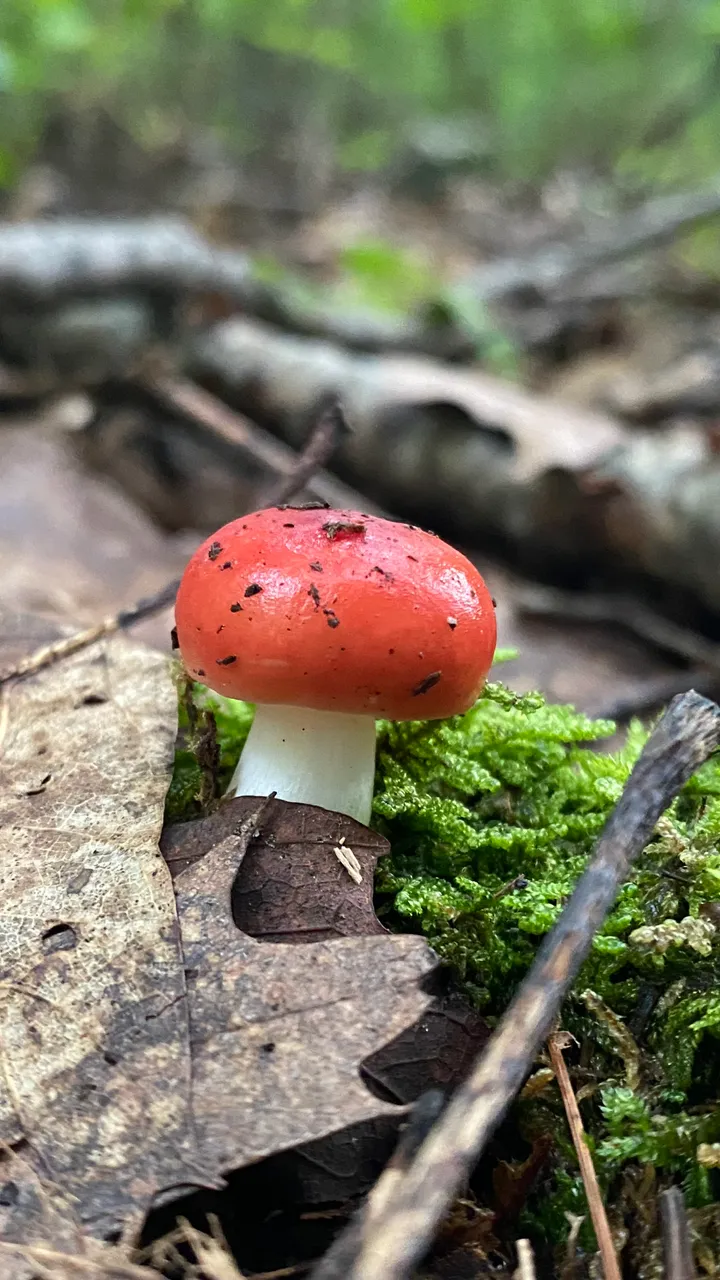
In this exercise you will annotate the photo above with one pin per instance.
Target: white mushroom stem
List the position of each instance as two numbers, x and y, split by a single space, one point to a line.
324 758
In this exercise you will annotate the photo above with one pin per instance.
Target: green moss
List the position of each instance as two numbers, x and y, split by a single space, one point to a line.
491 818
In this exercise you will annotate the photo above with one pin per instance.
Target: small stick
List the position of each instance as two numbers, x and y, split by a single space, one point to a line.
95 1267
677 1246
558 1041
331 425
392 1242
50 653
526 1261
227 424
342 1254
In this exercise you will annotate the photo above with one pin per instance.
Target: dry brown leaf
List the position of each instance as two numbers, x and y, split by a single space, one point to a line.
94 1054
94 1070
291 886
279 1032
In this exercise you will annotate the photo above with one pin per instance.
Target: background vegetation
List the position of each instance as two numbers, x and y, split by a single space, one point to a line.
628 87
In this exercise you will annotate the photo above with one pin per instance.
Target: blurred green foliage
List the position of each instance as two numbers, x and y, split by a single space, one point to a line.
629 85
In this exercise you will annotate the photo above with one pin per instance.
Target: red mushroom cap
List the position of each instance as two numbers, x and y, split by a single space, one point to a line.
336 611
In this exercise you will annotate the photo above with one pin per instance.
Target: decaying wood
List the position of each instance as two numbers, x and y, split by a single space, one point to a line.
43 262
95 1055
558 1041
677 1245
463 443
564 490
394 1239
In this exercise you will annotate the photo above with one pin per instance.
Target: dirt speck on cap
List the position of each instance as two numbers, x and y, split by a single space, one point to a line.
427 684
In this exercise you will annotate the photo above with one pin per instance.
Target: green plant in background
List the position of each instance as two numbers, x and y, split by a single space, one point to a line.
630 86
491 818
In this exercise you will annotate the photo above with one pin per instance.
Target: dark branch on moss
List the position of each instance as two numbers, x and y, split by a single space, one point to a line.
395 1240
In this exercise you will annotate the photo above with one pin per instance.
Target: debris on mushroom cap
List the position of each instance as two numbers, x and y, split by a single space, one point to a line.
401 625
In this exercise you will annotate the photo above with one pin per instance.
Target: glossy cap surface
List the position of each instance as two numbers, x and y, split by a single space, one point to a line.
338 611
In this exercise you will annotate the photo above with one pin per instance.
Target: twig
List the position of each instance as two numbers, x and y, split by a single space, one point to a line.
526 1261
234 428
677 1246
556 1043
392 1241
98 1266
330 427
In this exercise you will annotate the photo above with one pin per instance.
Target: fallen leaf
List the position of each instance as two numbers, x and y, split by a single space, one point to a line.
291 886
94 1050
436 1052
278 1032
94 1071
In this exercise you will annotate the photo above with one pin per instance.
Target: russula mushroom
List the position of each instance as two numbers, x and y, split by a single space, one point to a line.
329 620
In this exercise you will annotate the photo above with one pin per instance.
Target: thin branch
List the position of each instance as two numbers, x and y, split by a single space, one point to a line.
611 1270
331 426
68 645
94 1267
677 1246
394 1240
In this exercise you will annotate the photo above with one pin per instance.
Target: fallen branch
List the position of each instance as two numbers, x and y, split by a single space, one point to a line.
554 267
611 1270
394 1240
566 491
331 425
619 611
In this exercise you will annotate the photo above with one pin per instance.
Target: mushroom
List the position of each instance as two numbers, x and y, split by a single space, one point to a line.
328 620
